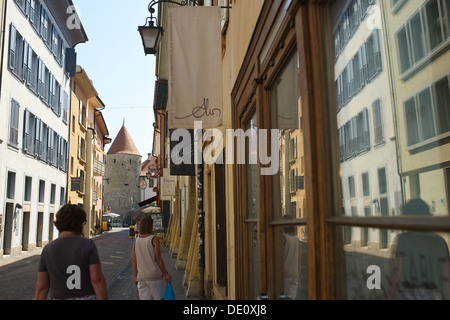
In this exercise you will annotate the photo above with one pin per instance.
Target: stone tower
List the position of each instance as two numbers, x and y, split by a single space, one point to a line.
122 171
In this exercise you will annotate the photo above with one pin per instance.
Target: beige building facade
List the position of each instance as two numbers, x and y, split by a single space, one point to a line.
88 137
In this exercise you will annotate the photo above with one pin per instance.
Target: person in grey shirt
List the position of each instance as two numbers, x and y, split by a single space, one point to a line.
70 267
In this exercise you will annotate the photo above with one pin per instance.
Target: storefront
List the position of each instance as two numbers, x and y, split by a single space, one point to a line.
363 128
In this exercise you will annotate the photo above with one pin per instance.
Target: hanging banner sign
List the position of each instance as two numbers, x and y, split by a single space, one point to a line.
195 67
168 185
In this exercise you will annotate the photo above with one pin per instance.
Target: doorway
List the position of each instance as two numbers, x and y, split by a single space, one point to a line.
221 226
8 230
26 231
39 230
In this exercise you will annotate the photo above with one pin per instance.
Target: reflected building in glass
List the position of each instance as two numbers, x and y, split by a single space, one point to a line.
365 118
419 55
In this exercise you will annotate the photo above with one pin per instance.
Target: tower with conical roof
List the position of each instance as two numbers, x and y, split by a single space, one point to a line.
122 172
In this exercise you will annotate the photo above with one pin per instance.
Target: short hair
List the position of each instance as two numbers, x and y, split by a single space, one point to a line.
416 207
70 217
146 225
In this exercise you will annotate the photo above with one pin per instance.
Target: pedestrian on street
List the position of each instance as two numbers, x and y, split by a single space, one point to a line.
150 273
70 267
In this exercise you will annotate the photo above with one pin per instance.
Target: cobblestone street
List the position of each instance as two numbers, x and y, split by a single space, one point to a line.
19 273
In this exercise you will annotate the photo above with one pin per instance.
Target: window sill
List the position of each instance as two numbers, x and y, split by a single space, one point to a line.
398 6
425 61
427 143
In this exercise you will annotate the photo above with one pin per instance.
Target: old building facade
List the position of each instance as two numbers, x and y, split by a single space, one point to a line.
37 67
88 137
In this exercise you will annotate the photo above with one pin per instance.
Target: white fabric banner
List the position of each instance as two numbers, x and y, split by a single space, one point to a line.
195 67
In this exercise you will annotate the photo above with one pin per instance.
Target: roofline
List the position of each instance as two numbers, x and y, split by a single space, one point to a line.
59 9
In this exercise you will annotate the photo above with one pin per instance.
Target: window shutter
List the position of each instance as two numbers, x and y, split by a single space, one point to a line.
36 135
27 131
12 48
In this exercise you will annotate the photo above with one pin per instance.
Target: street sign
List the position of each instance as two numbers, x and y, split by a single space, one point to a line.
75 184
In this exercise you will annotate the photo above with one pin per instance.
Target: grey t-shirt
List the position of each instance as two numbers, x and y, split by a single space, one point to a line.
67 261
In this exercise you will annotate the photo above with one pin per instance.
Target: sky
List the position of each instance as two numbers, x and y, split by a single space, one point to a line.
114 60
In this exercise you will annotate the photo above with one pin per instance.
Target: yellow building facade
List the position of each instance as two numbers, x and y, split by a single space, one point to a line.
88 136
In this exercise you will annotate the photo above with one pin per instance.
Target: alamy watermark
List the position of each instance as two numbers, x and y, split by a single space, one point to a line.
73 21
253 140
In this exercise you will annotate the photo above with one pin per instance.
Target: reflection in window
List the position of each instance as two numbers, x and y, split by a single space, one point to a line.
393 133
423 32
415 266
252 213
290 246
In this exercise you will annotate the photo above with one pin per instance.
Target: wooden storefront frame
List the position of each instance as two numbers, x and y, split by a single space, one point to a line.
307 26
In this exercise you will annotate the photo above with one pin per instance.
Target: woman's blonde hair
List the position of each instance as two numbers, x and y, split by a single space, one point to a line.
146 225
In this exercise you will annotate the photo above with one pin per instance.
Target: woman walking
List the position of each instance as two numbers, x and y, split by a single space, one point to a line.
150 273
70 267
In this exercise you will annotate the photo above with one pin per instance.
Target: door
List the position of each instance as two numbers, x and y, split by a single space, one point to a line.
221 226
8 231
25 230
39 230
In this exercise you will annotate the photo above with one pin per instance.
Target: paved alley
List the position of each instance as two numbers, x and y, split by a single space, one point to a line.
19 273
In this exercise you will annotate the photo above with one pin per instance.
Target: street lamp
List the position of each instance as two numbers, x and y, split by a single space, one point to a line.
150 37
152 33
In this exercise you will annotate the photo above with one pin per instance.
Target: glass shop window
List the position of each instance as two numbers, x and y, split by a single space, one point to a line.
290 240
392 108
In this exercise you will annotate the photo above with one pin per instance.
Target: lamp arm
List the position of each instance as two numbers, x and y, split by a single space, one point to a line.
155 2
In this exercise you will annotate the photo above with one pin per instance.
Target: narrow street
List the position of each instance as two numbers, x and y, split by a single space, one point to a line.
19 274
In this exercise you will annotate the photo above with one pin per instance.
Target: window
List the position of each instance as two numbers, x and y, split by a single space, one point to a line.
41 197
360 70
34 13
378 122
382 181
354 136
373 54
62 196
81 149
82 120
65 105
82 175
14 124
28 188
16 52
52 193
351 186
365 184
29 132
423 33
427 113
442 104
11 185
41 78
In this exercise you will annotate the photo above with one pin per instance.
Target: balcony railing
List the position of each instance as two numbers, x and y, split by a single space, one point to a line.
99 168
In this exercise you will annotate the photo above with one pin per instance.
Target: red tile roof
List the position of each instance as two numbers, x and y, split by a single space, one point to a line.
123 144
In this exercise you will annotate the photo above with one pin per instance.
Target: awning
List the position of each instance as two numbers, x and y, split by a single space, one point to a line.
112 215
148 201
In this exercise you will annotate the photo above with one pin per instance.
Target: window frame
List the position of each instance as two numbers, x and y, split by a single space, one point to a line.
325 220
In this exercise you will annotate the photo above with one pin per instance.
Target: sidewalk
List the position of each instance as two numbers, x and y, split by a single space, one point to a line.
177 276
